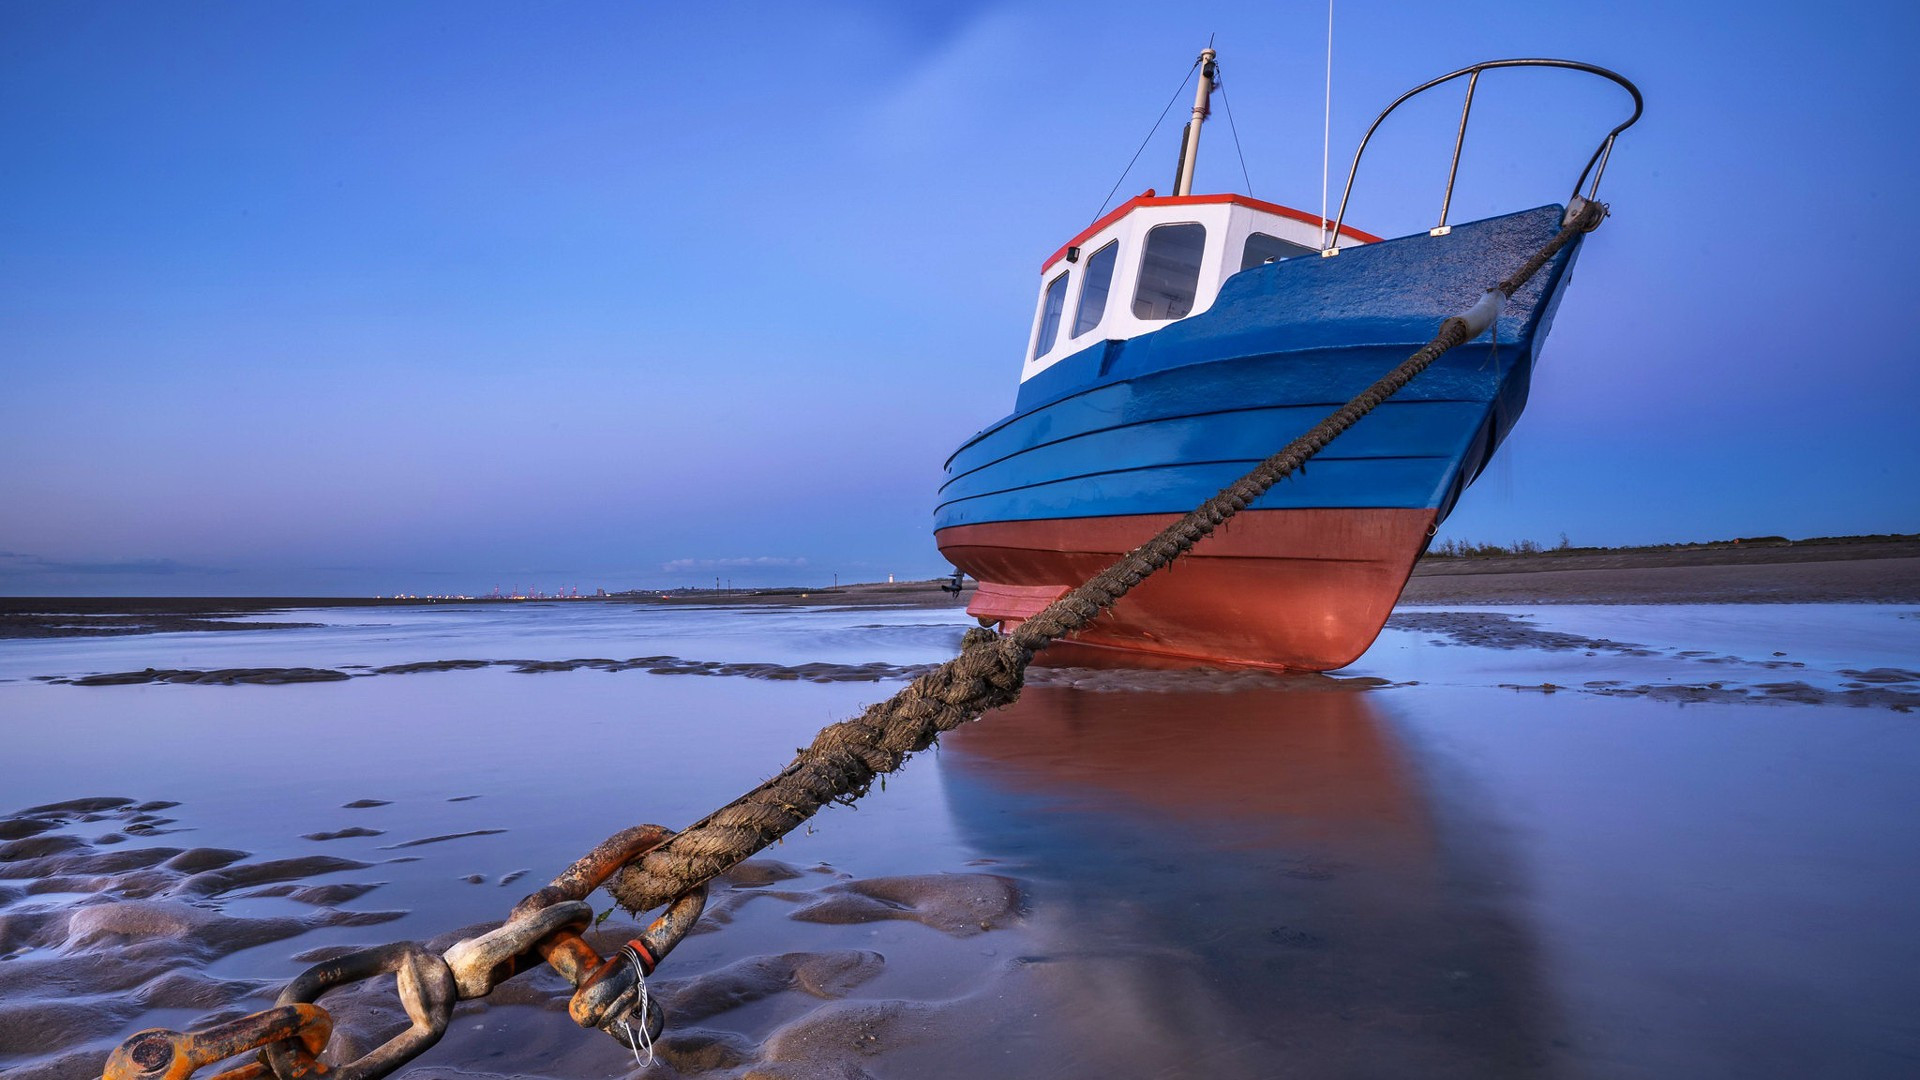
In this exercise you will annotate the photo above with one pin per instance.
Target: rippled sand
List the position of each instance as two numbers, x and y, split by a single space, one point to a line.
133 931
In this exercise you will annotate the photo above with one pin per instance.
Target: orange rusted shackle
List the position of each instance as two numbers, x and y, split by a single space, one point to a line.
159 1054
606 989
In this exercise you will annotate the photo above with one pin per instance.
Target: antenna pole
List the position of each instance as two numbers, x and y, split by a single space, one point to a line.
1326 131
1190 146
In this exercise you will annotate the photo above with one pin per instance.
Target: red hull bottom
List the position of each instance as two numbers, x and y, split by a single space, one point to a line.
1305 590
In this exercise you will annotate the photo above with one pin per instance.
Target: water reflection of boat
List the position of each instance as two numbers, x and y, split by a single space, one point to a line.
1180 340
1244 880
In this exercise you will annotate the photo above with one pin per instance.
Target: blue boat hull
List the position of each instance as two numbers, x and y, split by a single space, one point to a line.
1123 434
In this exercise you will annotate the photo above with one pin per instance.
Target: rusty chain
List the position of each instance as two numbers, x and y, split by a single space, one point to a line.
546 925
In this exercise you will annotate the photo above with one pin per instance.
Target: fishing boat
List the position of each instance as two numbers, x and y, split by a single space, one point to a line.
1180 339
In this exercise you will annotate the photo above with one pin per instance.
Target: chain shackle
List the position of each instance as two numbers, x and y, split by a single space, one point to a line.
612 989
482 963
427 992
607 990
159 1054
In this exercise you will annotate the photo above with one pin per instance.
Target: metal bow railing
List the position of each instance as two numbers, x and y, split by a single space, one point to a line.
1596 164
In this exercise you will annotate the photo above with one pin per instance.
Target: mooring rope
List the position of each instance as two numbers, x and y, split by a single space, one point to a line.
653 866
845 758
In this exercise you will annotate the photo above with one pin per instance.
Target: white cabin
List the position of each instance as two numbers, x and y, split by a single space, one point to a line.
1155 260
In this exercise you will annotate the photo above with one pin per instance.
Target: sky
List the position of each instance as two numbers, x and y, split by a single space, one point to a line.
376 298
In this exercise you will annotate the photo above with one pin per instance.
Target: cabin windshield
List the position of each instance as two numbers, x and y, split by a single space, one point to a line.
1093 289
1051 306
1170 271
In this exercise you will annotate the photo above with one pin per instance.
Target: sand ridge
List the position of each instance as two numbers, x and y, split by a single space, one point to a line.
817 671
1733 679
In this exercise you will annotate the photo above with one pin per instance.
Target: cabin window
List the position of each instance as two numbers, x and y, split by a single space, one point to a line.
1051 306
1262 248
1093 291
1169 271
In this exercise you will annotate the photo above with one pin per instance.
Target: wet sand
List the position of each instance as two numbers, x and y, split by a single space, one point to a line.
1562 842
141 925
1695 676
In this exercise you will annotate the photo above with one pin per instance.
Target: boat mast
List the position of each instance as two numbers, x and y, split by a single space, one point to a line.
1190 138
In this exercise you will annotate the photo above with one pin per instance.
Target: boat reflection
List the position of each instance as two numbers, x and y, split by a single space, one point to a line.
1242 875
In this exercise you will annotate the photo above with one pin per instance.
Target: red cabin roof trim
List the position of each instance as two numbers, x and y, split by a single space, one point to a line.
1147 198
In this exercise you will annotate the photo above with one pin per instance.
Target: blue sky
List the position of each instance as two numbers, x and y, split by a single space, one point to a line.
365 298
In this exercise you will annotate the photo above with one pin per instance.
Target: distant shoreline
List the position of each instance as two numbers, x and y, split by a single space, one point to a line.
915 593
1865 570
1870 570
116 616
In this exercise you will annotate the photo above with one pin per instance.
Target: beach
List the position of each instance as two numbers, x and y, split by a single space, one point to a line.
1543 828
1870 571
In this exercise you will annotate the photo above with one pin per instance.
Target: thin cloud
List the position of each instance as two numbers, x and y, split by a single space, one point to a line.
19 563
749 561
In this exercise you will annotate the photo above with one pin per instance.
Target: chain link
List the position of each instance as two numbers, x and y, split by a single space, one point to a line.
482 963
427 992
545 926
